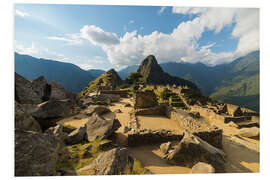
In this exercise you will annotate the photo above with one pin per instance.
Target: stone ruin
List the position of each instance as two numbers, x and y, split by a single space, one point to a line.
144 99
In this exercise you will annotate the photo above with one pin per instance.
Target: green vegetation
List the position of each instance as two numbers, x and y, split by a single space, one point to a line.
68 126
73 158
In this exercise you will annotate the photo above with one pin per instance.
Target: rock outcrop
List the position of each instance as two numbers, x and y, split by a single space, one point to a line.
192 149
98 109
76 136
35 154
114 162
97 126
249 132
49 111
24 92
24 121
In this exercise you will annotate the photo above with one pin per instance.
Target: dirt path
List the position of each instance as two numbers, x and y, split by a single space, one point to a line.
241 156
151 159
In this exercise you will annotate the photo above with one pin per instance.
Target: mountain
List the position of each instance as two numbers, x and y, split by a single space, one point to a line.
108 80
240 82
152 73
236 82
72 77
95 72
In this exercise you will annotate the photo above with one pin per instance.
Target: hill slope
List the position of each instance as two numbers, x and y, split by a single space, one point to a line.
72 77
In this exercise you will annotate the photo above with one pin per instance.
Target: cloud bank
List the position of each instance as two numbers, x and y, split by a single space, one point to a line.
182 44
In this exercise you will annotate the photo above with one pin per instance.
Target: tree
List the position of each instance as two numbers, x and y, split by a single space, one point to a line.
134 77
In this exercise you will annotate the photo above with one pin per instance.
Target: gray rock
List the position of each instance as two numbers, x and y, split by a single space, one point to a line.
165 147
105 145
249 132
58 132
114 162
49 111
57 91
76 136
36 154
192 149
98 109
24 92
24 121
41 88
97 126
202 167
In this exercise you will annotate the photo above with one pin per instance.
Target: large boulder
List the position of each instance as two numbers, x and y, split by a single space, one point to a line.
201 168
24 121
36 154
57 91
41 88
76 136
144 99
97 126
191 149
24 92
58 132
165 147
48 112
249 132
98 109
114 162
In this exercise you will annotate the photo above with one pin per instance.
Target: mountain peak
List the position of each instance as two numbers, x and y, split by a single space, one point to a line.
150 60
152 73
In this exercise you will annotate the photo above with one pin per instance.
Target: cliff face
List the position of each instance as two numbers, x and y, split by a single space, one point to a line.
153 74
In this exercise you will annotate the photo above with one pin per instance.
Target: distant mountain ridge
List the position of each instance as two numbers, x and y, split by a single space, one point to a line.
72 77
236 82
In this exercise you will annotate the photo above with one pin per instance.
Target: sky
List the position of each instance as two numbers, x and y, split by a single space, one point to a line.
105 37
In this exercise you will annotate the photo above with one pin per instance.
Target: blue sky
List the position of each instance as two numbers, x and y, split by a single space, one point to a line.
104 37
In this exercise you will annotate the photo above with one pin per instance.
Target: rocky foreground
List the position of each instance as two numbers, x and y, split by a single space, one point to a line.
139 129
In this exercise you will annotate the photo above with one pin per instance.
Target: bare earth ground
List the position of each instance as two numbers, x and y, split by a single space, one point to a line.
240 158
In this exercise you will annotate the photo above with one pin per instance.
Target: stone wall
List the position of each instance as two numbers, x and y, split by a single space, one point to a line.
156 110
207 113
213 137
122 93
144 99
147 137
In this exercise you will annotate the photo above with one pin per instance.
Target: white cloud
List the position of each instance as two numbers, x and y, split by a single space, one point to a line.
131 22
161 10
70 39
182 43
20 13
98 36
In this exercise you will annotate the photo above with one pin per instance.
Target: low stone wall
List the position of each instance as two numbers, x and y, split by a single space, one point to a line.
213 137
207 113
237 119
147 137
156 110
122 93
